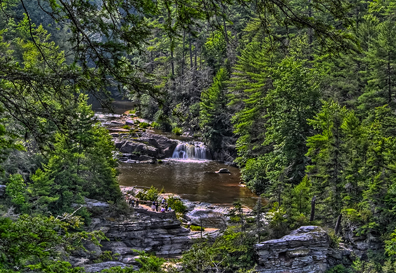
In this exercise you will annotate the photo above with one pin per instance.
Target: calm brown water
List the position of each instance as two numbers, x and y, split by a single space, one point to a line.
190 180
119 106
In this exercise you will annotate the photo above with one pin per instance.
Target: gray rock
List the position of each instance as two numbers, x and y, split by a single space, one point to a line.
91 203
78 261
94 250
303 250
101 266
223 170
129 122
208 217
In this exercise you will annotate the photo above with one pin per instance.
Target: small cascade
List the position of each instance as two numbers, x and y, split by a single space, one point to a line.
191 151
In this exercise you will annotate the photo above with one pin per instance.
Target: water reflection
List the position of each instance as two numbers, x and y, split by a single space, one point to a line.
191 180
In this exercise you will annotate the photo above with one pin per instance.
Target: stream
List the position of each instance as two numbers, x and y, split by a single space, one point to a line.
188 173
195 181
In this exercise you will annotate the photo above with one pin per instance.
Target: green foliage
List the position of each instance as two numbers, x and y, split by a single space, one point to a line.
278 97
107 256
143 125
176 204
196 228
16 191
151 194
214 117
231 252
177 131
77 169
338 269
155 125
126 127
36 243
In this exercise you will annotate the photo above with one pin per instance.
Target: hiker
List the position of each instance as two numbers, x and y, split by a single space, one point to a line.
132 203
163 201
169 209
153 206
166 206
162 209
137 203
156 206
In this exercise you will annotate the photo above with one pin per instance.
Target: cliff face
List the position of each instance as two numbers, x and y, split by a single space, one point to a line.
306 249
144 230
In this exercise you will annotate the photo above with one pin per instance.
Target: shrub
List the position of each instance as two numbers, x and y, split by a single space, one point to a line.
338 269
176 204
177 131
150 194
235 219
196 228
231 252
156 125
126 127
144 125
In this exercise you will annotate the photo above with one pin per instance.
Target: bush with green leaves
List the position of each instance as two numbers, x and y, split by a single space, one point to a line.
148 264
151 194
176 204
38 243
155 125
177 131
196 228
231 252
144 125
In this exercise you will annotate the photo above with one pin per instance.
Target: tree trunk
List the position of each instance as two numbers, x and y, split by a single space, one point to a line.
338 224
191 56
195 53
312 209
183 61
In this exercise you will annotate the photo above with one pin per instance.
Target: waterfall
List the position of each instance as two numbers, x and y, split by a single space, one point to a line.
193 151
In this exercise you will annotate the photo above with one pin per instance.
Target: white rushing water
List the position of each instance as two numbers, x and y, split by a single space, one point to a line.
191 151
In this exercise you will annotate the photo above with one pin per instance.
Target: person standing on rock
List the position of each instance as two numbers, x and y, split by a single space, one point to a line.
166 206
137 203
163 201
132 203
156 206
153 206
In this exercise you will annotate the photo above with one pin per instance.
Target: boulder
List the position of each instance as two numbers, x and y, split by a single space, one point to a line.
223 170
137 148
208 217
303 250
102 266
129 122
92 203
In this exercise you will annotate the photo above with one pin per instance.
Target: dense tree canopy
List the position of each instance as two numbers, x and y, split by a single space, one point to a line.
300 94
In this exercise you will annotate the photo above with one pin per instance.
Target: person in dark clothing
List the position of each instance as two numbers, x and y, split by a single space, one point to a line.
156 206
166 206
137 203
132 203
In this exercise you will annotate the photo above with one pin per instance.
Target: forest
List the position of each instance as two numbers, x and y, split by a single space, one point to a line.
299 94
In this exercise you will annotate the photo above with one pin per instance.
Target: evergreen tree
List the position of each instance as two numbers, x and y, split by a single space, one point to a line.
328 158
214 117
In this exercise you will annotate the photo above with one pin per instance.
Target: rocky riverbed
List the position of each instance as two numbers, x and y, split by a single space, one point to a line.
142 229
136 141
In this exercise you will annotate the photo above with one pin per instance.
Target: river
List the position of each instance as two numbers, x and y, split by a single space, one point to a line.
192 180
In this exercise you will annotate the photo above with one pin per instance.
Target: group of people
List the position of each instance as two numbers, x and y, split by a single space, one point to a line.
164 206
132 202
155 206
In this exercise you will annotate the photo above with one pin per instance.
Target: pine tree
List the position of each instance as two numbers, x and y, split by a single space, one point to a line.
328 158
